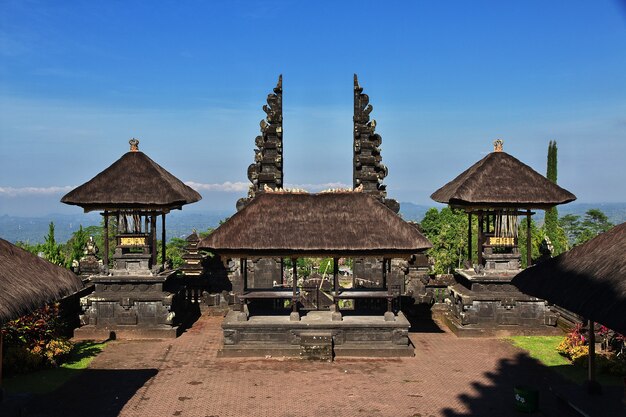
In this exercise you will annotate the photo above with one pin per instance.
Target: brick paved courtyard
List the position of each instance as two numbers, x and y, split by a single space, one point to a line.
183 377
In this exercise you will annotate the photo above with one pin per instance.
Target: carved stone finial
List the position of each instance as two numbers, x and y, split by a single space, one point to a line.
368 169
134 145
267 169
497 145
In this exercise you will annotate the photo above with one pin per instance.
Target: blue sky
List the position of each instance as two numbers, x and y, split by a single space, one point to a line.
446 78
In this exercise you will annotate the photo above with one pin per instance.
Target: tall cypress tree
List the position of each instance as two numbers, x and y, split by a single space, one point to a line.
551 221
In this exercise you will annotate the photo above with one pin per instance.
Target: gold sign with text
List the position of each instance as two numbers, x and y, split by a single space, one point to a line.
132 241
502 241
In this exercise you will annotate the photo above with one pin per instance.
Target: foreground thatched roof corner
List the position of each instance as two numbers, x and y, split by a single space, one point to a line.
501 179
28 282
133 181
342 223
589 280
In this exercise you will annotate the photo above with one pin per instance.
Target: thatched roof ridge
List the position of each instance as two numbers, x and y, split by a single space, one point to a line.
28 282
589 280
341 224
500 179
133 181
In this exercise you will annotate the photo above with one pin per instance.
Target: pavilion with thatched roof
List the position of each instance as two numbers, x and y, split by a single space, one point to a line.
135 190
497 189
136 297
333 225
589 279
28 282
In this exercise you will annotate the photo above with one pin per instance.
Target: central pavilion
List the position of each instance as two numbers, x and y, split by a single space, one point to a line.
279 224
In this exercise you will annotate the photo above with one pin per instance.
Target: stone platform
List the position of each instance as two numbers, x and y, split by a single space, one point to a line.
316 336
130 307
487 304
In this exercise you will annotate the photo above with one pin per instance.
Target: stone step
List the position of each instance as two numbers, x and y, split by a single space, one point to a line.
316 346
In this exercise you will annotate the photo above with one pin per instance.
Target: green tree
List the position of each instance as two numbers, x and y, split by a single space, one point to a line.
52 251
580 231
304 266
35 249
535 241
447 231
570 223
594 223
174 250
75 245
551 227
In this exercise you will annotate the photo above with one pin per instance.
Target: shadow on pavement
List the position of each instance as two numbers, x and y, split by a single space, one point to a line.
421 318
555 393
94 393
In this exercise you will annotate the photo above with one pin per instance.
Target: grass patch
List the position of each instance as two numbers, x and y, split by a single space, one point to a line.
543 349
48 380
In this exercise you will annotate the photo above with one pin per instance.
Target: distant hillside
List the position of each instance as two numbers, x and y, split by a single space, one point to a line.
181 223
616 212
34 229
413 212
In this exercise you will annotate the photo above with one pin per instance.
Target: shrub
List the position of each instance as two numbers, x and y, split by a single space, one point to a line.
33 341
612 361
573 344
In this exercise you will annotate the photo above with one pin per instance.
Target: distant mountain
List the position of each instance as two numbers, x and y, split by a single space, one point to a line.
413 212
181 223
616 212
34 229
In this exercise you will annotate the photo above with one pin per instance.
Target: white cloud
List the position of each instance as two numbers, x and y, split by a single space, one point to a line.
229 186
24 191
318 187
225 186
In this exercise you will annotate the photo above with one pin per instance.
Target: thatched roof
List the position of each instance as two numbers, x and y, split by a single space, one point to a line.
500 180
589 280
133 181
28 282
327 224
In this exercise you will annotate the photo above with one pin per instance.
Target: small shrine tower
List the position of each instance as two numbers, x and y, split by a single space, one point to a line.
497 190
136 295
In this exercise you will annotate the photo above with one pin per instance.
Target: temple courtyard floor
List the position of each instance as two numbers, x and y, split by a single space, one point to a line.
448 376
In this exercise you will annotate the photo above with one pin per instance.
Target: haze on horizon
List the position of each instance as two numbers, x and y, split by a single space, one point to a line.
78 79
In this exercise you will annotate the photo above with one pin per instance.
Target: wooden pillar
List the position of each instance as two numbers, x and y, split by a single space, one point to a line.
163 255
1 390
529 249
294 300
480 237
243 265
153 249
105 257
591 368
593 386
469 238
384 273
335 275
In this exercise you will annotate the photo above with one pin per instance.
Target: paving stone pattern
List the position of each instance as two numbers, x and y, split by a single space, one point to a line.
183 377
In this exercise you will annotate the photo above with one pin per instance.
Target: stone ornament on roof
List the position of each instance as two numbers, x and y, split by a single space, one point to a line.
134 145
498 145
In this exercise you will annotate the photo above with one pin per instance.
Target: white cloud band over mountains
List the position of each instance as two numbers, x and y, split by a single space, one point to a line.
227 186
25 191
